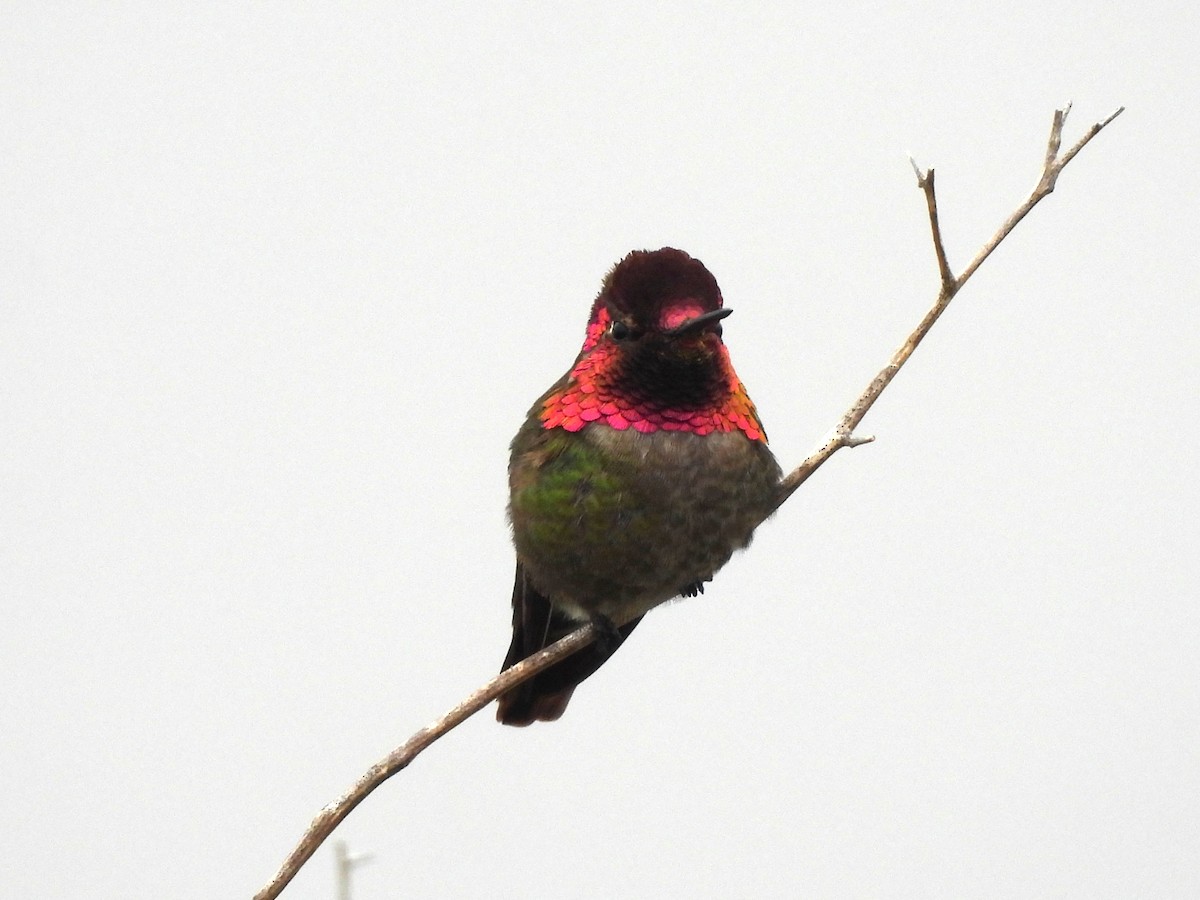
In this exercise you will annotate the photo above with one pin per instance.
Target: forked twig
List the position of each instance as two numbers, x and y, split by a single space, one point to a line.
843 433
842 436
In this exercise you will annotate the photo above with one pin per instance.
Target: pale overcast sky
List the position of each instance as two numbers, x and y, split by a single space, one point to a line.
278 283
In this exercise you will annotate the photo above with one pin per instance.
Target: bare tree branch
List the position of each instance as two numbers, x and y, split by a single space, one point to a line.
925 183
1053 166
333 813
842 435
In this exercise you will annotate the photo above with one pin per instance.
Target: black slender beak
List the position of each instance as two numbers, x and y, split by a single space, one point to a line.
699 322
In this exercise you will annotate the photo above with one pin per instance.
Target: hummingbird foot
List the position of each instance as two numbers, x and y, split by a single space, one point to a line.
692 590
608 635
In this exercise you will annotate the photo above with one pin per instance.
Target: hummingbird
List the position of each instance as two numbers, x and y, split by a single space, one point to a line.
635 477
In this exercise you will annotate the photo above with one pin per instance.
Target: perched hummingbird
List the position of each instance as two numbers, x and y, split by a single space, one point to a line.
635 477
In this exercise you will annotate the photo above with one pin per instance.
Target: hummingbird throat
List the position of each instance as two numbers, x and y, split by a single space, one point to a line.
652 394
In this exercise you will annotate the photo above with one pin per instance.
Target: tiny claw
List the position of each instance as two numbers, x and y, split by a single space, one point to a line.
608 635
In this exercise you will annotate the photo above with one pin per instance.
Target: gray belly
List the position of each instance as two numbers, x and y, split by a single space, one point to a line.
676 507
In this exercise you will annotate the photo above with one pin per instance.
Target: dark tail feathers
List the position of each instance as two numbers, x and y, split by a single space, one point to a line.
536 624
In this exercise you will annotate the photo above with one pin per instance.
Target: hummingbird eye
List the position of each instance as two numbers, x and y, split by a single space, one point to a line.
620 331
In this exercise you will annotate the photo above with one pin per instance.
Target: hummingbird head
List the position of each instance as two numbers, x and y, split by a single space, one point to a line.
658 304
653 359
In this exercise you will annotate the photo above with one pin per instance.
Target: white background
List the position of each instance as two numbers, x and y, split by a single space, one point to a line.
278 283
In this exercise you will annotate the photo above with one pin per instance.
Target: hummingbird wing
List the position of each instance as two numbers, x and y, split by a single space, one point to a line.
537 624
